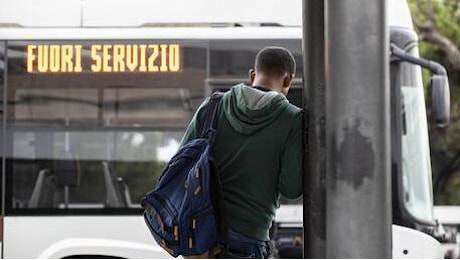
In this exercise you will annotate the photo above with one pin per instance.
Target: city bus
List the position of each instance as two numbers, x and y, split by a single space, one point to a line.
86 135
93 107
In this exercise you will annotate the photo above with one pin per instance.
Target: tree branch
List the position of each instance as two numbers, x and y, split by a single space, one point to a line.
422 26
447 171
431 35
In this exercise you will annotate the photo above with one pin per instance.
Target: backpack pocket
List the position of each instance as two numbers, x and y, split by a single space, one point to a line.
162 223
203 231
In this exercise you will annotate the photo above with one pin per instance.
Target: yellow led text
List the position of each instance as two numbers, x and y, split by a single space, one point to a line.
104 58
54 58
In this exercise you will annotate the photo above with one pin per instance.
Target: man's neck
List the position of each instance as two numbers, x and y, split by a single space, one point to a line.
262 88
265 85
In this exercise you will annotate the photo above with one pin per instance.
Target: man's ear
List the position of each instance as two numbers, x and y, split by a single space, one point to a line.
287 80
252 75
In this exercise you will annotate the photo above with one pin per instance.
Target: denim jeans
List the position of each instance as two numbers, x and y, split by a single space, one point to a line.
237 245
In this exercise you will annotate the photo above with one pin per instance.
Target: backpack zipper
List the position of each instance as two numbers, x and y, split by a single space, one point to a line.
166 206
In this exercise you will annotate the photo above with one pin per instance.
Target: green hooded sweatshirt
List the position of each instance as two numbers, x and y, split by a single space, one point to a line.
258 154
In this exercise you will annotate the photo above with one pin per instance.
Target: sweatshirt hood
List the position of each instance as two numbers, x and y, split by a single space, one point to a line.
248 109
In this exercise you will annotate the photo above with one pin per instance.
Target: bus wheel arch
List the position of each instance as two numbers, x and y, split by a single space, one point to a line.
82 248
92 257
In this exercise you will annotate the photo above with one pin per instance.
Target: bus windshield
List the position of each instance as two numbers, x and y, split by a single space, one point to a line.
416 165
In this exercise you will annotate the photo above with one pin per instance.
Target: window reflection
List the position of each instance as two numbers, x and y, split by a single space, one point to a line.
94 141
59 106
105 169
144 107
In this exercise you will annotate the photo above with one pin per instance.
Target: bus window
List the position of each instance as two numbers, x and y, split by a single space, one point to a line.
416 164
231 60
93 123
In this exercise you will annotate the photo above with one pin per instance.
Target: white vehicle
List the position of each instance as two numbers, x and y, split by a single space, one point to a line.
96 96
449 216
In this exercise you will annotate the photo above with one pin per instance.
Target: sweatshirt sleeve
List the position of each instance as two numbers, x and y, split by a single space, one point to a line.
193 128
290 181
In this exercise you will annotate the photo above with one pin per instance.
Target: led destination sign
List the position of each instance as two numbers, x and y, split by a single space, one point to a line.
153 58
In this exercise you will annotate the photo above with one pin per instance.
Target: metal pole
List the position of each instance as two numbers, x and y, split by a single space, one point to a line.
315 141
358 199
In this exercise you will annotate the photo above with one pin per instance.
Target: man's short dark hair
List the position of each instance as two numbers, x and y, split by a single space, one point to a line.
275 60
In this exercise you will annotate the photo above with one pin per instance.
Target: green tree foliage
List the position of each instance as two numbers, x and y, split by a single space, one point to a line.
437 23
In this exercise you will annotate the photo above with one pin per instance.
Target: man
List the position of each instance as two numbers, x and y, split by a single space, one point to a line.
257 152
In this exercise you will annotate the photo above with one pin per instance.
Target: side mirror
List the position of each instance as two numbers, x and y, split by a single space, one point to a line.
440 99
439 87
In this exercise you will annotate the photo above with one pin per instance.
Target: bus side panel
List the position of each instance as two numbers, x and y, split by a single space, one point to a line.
41 237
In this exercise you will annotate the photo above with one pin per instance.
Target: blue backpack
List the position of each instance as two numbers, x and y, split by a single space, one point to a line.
181 209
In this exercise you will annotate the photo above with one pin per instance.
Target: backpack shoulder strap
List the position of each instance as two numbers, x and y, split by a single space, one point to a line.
211 117
209 127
